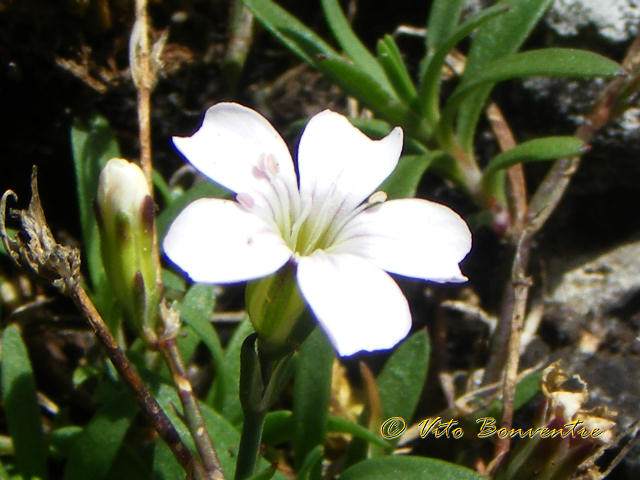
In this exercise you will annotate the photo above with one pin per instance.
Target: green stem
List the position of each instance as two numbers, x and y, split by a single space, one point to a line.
261 381
249 444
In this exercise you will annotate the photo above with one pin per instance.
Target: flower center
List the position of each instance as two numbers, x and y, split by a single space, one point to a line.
305 225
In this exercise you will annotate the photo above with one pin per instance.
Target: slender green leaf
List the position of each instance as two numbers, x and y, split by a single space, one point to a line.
308 46
311 463
406 372
195 309
290 31
361 86
92 144
537 150
21 406
96 448
231 408
341 425
422 468
351 44
201 190
501 36
548 62
443 18
404 180
396 70
430 84
278 428
312 392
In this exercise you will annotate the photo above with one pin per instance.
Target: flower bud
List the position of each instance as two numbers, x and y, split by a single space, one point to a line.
125 213
275 307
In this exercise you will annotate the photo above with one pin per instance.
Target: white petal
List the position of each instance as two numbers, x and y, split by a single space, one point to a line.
410 237
358 305
217 241
340 164
237 147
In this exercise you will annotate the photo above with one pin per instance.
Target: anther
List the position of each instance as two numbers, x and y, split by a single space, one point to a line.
271 164
377 197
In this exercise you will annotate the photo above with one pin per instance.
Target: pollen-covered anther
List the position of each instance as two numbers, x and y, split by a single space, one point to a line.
245 200
377 197
271 164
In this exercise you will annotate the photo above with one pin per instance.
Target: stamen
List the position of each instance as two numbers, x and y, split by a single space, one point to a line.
271 164
376 198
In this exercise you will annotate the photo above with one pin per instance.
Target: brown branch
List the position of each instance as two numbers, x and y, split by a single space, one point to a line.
169 348
546 198
143 396
143 78
515 174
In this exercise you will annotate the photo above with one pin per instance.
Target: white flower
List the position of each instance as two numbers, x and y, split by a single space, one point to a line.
341 245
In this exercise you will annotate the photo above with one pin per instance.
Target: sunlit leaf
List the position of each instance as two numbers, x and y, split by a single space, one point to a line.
501 36
351 44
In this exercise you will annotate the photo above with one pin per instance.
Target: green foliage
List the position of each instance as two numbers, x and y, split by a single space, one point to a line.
311 395
21 406
96 447
501 36
93 144
402 378
408 467
384 84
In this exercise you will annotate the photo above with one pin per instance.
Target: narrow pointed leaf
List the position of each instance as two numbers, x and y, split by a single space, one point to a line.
443 18
312 391
548 62
406 372
501 36
278 428
537 150
351 44
231 408
290 31
430 85
396 70
409 467
308 46
403 182
21 406
92 145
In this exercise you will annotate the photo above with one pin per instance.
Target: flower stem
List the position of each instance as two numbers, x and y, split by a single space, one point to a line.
261 381
249 444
